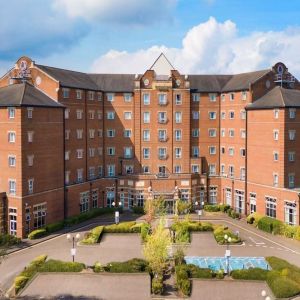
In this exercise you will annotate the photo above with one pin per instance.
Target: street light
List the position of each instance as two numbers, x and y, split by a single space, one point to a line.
227 252
73 239
264 295
117 214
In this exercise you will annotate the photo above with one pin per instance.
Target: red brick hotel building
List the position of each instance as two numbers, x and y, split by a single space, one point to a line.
72 141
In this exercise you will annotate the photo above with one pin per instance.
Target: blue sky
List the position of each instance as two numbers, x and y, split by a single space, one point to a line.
207 36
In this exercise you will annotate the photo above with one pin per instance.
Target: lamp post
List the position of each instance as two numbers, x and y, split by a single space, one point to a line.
73 239
264 295
117 213
227 252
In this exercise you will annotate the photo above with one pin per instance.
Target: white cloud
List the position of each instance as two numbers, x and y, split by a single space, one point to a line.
117 11
213 47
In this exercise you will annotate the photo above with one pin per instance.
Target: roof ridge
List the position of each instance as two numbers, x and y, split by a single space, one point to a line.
23 93
62 69
281 96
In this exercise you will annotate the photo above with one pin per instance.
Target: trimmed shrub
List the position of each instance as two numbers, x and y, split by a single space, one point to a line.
157 285
182 234
61 266
55 227
124 227
38 261
220 274
9 240
254 218
288 231
93 236
297 234
250 274
145 230
211 208
280 264
98 268
36 234
221 231
270 225
196 272
224 207
183 283
134 265
20 282
139 210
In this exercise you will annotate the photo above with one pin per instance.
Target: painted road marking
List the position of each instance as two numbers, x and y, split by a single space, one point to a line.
255 242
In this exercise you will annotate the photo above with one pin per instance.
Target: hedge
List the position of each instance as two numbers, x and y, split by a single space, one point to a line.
8 240
124 227
139 210
145 231
93 236
250 274
254 218
216 207
55 227
61 266
157 284
220 232
183 283
233 214
38 233
134 265
270 225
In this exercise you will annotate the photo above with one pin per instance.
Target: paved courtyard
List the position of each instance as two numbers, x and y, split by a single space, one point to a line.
89 286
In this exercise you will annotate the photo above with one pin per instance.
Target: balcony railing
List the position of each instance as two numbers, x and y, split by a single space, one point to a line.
162 139
162 156
162 175
163 103
162 121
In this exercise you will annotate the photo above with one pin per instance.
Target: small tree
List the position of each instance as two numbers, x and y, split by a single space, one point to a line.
160 206
149 209
156 248
182 207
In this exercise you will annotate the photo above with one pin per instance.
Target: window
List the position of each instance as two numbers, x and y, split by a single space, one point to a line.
178 117
67 177
212 97
178 135
95 198
222 171
99 114
29 112
244 95
162 135
252 202
292 113
243 152
11 161
162 171
231 132
231 171
243 173
111 170
127 133
79 134
223 115
92 133
223 97
30 185
79 175
223 150
67 134
196 97
100 171
91 152
162 153
66 93
39 214
91 172
146 135
127 97
129 169
110 198
178 152
195 132
128 152
276 113
78 94
195 152
127 115
212 115
212 132
67 155
12 185
195 169
99 96
162 117
222 132
11 112
91 114
146 153
84 202
146 98
110 97
110 115
146 117
239 201
292 135
91 95
212 150
111 151
213 191
243 133
79 114
30 136
275 156
178 99
146 169
100 133
177 169
270 207
276 135
243 114
212 169
231 151
275 180
11 137
111 133
162 99
231 114
291 180
30 160
290 213
79 153
291 156
195 115
231 96
100 151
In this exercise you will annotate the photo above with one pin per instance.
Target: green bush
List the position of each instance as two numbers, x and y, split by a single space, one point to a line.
134 265
220 274
199 226
9 240
20 282
36 234
270 225
196 272
139 210
157 285
288 231
182 234
93 236
297 234
183 283
280 264
38 261
98 267
221 231
250 274
224 207
124 227
254 218
179 257
145 230
211 208
61 266
55 227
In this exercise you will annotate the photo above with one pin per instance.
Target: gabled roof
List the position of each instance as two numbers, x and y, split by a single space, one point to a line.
162 66
278 97
24 94
208 83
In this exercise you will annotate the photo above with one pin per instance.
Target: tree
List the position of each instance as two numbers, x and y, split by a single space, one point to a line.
160 206
182 207
154 207
156 248
149 209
